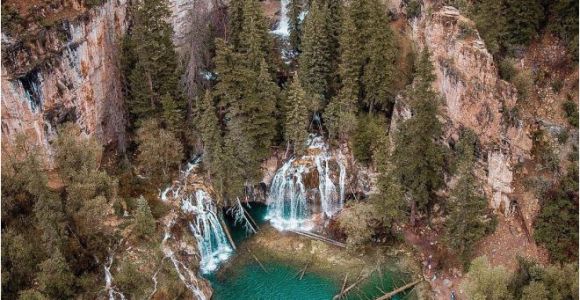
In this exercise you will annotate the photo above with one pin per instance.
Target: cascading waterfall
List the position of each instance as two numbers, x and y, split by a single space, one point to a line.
288 205
282 28
212 241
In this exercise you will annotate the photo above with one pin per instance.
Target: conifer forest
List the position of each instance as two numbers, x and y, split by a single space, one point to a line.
290 149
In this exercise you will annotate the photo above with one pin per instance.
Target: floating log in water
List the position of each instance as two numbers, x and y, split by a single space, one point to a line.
227 231
251 219
319 237
389 295
344 292
344 282
258 261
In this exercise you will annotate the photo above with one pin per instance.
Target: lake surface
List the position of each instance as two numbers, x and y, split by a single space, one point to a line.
281 281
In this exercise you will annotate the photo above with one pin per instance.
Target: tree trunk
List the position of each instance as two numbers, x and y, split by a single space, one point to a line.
413 213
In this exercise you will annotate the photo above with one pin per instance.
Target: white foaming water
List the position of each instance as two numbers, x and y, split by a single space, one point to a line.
282 28
212 241
288 205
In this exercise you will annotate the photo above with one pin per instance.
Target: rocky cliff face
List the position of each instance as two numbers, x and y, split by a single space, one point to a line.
474 97
68 72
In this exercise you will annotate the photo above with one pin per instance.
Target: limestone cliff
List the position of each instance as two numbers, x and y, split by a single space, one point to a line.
474 97
67 72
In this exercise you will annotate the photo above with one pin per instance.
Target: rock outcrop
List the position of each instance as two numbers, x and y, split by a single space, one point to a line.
68 72
474 97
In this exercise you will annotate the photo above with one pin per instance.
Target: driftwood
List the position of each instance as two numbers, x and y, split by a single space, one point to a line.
227 231
319 237
258 261
344 282
345 291
389 295
251 219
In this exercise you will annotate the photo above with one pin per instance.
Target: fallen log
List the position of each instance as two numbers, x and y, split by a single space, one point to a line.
251 219
304 270
319 237
344 282
227 231
350 287
389 295
258 261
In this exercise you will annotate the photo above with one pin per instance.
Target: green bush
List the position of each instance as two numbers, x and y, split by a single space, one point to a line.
413 9
507 71
523 81
571 111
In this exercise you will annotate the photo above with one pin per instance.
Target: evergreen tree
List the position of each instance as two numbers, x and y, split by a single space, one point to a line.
523 20
467 222
55 278
486 282
297 117
144 221
235 25
315 61
389 198
333 29
294 24
261 111
210 133
155 73
159 152
490 19
172 115
418 156
379 71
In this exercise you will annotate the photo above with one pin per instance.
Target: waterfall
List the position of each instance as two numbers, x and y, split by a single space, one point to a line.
212 242
288 202
186 275
109 281
282 28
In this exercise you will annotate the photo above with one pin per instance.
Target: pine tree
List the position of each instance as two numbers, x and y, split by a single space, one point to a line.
467 221
55 278
491 24
155 73
172 114
255 39
315 61
297 117
294 24
261 112
340 114
210 133
523 20
379 71
389 198
333 29
418 155
159 152
235 25
144 221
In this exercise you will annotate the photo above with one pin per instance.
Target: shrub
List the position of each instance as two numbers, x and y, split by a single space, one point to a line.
413 9
523 81
507 71
571 111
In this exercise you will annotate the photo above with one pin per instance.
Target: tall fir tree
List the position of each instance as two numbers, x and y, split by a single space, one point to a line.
418 156
210 134
294 24
155 73
144 221
379 71
297 117
315 61
235 24
389 198
467 222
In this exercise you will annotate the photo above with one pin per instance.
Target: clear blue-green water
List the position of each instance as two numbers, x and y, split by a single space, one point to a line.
249 281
